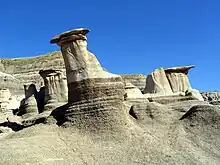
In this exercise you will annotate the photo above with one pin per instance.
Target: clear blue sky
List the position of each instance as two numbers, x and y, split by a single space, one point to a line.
127 36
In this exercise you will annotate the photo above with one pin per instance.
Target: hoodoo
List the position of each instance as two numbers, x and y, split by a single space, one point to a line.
178 78
95 96
55 88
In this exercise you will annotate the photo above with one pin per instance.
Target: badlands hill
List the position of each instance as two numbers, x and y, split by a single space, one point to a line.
66 109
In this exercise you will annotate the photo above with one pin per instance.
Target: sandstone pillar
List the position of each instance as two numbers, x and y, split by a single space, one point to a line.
55 86
157 83
95 95
178 78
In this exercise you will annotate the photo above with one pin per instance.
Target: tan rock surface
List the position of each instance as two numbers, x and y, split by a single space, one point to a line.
95 96
178 79
132 92
194 93
56 91
138 80
157 83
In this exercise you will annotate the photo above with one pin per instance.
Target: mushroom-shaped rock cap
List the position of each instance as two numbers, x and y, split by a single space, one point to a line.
183 69
82 31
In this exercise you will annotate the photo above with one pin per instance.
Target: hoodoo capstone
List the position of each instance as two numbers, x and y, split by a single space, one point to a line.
95 96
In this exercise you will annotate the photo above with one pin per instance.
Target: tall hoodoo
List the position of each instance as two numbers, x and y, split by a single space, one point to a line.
95 96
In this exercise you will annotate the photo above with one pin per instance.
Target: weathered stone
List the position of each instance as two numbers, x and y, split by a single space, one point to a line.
211 96
132 92
157 83
178 79
194 93
55 89
169 82
138 80
5 96
26 70
28 105
7 100
8 81
170 99
95 96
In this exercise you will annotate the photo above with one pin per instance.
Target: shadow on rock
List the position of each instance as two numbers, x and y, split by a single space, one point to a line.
13 125
59 114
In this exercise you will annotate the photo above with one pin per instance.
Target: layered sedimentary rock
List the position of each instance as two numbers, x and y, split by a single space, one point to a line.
8 81
138 80
55 89
26 70
178 79
157 83
95 96
133 96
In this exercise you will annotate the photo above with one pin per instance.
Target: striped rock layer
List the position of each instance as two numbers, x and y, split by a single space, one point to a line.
95 96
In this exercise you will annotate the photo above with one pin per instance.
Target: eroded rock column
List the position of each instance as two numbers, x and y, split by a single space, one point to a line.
157 83
178 78
95 96
55 87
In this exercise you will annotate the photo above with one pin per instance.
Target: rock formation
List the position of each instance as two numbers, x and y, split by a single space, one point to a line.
7 100
95 96
132 92
138 80
8 81
5 96
28 105
55 88
194 93
157 83
170 82
26 70
178 79
109 120
211 96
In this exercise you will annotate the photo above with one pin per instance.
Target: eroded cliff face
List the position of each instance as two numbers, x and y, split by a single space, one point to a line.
26 70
